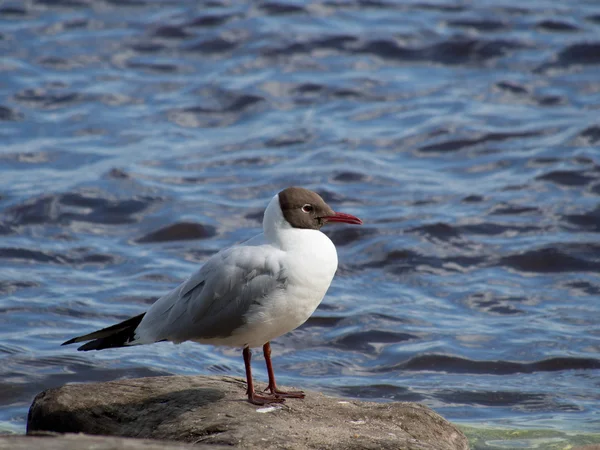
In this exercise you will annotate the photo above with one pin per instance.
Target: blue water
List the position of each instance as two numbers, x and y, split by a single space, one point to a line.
466 136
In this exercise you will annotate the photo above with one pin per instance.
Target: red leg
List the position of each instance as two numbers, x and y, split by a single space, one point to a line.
272 384
253 397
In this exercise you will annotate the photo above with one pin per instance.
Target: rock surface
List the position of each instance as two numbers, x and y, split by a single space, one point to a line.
213 410
86 442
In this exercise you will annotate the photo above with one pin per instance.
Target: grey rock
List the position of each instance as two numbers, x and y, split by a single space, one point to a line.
87 442
213 410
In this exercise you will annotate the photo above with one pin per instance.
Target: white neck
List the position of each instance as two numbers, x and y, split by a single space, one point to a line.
274 223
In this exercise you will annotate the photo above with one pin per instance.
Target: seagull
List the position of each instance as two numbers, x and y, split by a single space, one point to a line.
246 295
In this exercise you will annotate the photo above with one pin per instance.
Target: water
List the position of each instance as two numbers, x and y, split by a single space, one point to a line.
466 135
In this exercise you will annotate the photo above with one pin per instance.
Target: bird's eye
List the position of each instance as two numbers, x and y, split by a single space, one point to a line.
308 208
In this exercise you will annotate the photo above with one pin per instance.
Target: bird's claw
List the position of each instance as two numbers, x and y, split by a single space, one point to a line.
261 399
282 394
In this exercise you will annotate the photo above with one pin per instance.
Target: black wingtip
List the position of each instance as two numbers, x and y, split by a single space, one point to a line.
92 345
70 341
118 335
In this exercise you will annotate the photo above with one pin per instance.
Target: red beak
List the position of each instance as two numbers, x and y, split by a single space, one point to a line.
342 217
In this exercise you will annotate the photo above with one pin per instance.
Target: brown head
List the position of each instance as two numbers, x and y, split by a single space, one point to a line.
302 208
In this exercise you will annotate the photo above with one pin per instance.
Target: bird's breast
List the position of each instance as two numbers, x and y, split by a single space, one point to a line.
308 271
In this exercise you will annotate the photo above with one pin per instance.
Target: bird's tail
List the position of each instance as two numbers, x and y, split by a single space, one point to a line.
118 335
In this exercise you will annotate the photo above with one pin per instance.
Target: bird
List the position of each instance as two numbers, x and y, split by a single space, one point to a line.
246 295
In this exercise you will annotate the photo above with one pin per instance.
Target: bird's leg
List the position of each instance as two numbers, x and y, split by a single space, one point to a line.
253 397
272 384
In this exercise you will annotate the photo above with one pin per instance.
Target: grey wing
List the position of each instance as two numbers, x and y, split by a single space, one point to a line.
214 302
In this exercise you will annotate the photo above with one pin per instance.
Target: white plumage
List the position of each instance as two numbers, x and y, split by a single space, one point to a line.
246 295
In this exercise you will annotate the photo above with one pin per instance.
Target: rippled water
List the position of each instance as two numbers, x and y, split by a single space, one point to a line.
140 136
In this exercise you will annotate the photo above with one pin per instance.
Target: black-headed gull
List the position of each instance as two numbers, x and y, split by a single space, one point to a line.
246 295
